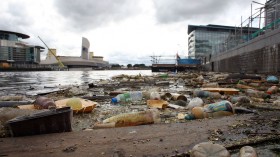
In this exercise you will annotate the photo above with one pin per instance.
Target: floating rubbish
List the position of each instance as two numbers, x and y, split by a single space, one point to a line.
272 79
131 119
44 103
219 109
74 104
162 83
181 116
272 90
181 103
240 99
257 94
210 85
176 96
166 96
11 98
155 96
43 91
195 102
241 110
160 104
206 94
128 97
13 103
228 91
247 151
242 77
51 121
175 106
87 105
209 149
242 86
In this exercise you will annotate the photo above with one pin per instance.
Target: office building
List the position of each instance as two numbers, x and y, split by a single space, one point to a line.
204 41
13 51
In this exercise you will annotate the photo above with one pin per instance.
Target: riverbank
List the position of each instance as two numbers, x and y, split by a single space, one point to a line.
150 140
174 133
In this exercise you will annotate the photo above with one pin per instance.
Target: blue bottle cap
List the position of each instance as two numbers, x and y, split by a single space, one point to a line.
189 117
114 100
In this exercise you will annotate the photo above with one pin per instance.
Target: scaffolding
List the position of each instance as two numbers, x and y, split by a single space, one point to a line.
250 28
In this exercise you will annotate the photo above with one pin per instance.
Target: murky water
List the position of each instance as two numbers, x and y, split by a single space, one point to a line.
20 82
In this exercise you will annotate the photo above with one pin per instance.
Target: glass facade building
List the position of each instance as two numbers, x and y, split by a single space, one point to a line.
14 51
203 40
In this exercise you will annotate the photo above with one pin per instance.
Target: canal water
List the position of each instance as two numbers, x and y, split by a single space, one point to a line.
20 82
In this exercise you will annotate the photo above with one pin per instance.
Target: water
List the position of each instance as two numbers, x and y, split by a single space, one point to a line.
20 82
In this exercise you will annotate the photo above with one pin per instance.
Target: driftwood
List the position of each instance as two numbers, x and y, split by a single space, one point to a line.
252 141
13 103
97 97
263 106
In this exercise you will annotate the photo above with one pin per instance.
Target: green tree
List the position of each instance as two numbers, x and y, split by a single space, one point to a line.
115 66
129 65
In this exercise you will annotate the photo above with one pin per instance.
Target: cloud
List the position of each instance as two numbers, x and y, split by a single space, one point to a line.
124 58
170 11
14 17
88 14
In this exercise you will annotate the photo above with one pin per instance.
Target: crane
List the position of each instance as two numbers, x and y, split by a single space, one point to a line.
57 58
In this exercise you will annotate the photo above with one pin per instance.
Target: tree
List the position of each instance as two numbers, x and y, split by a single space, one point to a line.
116 66
129 65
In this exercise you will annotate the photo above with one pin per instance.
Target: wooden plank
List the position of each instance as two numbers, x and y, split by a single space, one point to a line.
229 91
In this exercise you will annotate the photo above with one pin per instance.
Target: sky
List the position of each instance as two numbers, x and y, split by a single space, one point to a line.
122 31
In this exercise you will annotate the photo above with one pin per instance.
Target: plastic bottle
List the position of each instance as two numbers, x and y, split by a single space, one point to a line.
239 99
257 94
128 97
272 90
44 103
195 102
155 96
132 119
219 109
206 94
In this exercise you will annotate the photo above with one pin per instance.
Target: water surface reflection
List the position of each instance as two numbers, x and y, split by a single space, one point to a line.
20 82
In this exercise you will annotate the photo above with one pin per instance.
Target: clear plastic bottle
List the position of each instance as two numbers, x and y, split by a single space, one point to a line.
128 97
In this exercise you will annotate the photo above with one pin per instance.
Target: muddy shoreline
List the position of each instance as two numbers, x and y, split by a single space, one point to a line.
172 135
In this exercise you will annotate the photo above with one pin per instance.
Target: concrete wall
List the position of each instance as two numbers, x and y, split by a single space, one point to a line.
260 55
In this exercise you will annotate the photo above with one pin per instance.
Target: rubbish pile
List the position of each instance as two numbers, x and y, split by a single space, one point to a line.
138 100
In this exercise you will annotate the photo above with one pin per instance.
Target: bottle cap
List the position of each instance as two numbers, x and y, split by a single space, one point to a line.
189 117
114 100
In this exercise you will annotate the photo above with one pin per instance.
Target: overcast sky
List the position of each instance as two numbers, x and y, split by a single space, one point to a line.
123 31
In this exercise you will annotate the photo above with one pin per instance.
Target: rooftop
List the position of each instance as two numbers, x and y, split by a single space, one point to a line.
212 27
23 36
